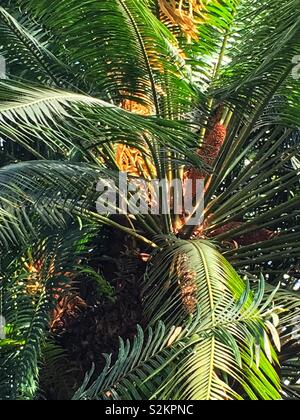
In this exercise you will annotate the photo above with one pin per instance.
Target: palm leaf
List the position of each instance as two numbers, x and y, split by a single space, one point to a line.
185 275
194 362
135 69
29 281
24 46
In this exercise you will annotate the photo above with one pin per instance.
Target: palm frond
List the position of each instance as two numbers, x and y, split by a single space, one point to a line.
268 65
257 212
29 283
24 46
64 121
185 275
136 57
197 361
31 202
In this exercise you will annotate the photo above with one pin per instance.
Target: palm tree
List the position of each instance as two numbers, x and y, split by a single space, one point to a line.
161 89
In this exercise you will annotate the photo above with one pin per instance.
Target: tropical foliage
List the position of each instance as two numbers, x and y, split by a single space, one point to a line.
160 89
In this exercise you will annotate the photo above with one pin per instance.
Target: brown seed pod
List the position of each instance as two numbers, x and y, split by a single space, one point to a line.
187 283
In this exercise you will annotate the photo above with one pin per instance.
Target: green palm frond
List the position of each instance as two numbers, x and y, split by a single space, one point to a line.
257 82
64 121
206 56
255 75
20 352
30 205
185 275
57 374
289 328
137 54
79 73
131 371
259 208
32 202
198 361
25 49
29 282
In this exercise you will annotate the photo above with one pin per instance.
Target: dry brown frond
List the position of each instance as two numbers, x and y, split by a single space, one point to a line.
187 14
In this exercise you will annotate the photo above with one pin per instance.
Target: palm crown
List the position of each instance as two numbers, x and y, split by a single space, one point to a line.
159 89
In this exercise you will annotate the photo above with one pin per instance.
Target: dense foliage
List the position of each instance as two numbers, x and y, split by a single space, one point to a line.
160 89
